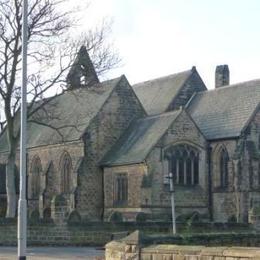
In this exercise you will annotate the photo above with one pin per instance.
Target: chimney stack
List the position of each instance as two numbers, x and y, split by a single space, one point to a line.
221 76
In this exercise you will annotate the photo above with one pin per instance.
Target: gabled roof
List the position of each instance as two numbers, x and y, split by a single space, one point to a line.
70 113
157 94
139 139
225 111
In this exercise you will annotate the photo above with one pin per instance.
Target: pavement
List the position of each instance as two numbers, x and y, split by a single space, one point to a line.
54 253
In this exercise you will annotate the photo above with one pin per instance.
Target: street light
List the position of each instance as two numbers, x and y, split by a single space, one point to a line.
22 204
172 203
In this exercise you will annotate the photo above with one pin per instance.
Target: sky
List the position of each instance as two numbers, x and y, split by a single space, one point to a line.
161 37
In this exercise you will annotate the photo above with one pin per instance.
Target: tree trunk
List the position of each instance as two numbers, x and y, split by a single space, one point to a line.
10 186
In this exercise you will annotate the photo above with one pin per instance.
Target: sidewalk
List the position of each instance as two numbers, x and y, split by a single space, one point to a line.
54 253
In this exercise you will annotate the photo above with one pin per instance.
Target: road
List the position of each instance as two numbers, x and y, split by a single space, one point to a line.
54 253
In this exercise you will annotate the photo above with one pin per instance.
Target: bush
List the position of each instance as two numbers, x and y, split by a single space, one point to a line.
116 217
232 219
141 217
74 217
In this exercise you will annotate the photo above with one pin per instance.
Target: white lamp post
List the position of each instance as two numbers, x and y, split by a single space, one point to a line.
22 204
172 203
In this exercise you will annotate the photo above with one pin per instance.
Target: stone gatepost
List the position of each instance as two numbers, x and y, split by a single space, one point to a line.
128 248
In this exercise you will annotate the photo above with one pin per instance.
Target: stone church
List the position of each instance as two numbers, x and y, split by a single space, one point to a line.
108 147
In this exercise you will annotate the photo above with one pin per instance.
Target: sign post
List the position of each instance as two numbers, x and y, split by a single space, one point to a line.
172 203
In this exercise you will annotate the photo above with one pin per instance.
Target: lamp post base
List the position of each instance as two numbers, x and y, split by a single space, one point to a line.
21 257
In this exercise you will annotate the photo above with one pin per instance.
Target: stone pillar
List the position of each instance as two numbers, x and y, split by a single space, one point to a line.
128 248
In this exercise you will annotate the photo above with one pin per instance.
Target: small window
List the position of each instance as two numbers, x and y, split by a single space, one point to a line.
121 189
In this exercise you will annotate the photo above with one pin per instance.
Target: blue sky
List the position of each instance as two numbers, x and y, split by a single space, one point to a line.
156 38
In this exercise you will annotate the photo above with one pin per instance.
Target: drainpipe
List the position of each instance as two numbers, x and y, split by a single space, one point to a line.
210 199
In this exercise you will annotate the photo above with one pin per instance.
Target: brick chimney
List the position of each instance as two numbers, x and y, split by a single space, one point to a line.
221 76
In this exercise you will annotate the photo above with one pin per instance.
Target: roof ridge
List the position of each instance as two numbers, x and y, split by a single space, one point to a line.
234 85
162 77
161 114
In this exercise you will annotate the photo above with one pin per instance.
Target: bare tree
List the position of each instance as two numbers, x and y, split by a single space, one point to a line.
50 55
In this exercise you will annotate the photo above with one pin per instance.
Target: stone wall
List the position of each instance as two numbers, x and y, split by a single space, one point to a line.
50 155
118 251
135 247
121 108
147 190
136 199
182 132
224 199
235 200
86 191
43 235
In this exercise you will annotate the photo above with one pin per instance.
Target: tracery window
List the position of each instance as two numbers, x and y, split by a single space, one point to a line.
66 169
184 164
35 182
121 189
223 168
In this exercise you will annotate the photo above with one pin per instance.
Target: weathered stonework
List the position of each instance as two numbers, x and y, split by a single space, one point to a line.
127 249
115 166
154 197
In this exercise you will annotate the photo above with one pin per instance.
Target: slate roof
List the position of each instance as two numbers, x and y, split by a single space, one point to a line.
71 112
139 139
225 111
157 94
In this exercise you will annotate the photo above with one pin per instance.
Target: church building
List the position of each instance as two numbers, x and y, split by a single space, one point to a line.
109 147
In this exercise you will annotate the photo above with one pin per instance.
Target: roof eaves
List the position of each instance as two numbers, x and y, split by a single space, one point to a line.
108 165
257 108
190 117
179 113
148 152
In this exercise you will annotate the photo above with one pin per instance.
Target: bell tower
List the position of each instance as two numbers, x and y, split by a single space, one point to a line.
82 72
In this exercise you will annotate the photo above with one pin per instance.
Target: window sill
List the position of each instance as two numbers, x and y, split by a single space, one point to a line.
120 205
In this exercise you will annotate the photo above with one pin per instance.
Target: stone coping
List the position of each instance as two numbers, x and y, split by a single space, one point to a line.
120 247
245 252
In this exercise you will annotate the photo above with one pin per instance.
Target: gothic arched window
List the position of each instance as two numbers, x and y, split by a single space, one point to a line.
35 175
223 168
66 169
184 164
